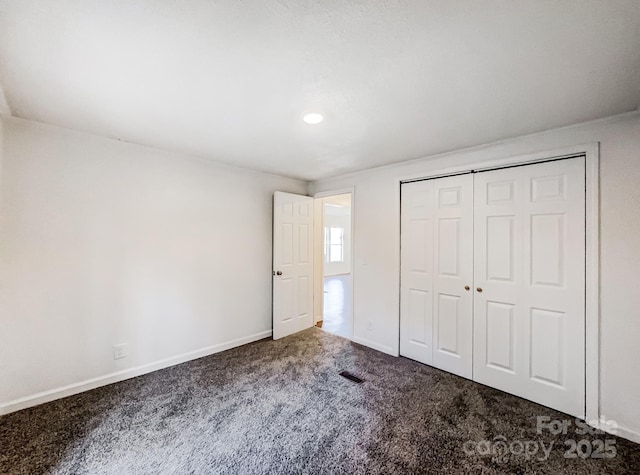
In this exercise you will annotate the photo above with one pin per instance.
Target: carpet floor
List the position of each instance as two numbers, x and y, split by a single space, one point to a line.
282 407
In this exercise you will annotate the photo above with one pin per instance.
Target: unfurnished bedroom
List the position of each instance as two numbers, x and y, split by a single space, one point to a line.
319 237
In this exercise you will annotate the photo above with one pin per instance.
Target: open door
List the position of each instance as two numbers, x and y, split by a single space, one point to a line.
292 263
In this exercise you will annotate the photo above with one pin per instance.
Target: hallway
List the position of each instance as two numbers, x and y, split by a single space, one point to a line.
337 305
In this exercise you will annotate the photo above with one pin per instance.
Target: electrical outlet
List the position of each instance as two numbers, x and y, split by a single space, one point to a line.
120 351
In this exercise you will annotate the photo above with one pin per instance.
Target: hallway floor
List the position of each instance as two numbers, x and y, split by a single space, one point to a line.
337 305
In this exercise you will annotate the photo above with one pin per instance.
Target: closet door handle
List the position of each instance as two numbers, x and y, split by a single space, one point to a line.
479 289
466 287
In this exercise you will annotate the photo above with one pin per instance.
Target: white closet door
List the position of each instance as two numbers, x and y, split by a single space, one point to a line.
529 318
437 263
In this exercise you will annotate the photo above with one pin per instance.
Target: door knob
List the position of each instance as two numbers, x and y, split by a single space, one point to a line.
466 287
479 289
279 272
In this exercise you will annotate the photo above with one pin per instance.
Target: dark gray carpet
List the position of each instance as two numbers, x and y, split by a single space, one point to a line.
281 407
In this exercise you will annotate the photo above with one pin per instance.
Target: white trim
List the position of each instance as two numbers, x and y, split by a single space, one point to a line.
5 110
592 279
71 389
591 151
482 148
352 192
318 260
625 433
534 157
340 191
372 344
619 431
398 259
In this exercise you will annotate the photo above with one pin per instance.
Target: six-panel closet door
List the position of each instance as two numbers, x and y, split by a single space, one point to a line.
436 325
493 279
529 319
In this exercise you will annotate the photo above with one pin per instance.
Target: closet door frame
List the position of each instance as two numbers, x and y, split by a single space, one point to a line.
591 152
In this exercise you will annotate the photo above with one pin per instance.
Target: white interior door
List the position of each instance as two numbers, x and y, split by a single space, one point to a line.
292 263
529 316
436 320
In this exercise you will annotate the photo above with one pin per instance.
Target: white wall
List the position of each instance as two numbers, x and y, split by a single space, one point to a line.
376 248
104 242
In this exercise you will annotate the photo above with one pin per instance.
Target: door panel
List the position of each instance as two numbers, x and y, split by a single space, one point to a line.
499 253
547 341
437 246
547 248
448 317
529 251
448 246
500 336
292 251
419 301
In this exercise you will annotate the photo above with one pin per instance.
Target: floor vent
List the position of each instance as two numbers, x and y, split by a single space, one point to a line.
351 377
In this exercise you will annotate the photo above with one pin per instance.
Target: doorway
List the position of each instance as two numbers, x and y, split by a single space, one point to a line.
333 256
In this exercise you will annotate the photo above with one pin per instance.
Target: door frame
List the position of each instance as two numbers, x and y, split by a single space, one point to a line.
318 292
591 152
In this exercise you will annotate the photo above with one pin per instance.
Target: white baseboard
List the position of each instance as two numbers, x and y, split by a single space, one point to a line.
372 344
615 429
625 433
75 388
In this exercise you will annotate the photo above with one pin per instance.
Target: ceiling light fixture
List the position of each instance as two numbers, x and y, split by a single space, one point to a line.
313 118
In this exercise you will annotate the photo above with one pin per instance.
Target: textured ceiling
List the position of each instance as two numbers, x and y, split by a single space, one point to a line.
229 80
